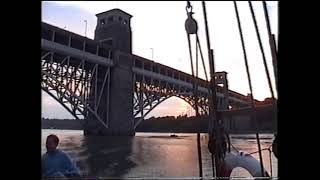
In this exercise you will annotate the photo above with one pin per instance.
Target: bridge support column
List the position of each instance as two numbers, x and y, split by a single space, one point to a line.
223 102
118 114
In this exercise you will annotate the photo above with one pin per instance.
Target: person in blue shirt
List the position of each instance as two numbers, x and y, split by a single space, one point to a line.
55 162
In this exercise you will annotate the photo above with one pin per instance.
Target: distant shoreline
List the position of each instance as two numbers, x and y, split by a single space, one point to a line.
231 132
169 125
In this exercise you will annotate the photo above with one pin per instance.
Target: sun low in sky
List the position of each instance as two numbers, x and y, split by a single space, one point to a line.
158 31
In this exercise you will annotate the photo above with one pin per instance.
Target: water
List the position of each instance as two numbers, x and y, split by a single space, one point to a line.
151 154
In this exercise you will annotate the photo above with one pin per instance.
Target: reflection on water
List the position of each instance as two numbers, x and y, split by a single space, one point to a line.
150 154
105 156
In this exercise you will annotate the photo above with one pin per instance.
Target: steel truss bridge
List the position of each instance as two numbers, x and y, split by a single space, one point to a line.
76 71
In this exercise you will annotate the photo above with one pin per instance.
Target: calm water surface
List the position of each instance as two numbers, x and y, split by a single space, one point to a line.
151 154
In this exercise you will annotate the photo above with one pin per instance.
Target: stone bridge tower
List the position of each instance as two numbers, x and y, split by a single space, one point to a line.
113 29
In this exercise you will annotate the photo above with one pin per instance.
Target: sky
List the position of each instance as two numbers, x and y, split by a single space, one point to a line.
159 25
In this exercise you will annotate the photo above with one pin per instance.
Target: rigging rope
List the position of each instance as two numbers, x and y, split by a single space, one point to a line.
261 150
196 56
191 28
271 43
250 85
253 117
266 70
266 17
204 66
261 48
273 50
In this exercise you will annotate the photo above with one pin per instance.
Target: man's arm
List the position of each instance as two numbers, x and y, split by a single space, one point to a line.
70 167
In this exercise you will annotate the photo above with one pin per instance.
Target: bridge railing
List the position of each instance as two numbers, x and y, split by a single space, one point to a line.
67 38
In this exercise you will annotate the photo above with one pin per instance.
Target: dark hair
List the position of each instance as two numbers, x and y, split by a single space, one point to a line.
54 137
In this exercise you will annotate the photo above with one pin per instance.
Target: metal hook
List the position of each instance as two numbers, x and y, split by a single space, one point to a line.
188 7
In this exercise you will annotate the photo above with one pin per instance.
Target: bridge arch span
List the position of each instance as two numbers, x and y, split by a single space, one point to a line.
73 84
56 100
157 102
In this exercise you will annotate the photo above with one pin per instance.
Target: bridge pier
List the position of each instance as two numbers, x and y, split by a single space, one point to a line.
113 28
116 105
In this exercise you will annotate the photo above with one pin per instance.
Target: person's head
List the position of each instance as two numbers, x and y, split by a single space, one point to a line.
52 143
